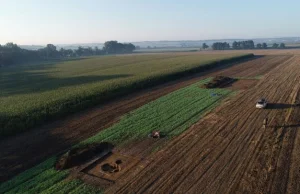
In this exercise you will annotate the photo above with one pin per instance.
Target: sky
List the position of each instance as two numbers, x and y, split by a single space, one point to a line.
38 22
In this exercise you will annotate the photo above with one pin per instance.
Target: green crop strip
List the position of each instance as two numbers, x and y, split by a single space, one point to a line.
171 114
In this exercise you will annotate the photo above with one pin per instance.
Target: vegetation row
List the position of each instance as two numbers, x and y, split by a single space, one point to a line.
19 121
11 54
239 45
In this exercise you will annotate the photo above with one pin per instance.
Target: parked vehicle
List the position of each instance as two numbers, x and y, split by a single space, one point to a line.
261 103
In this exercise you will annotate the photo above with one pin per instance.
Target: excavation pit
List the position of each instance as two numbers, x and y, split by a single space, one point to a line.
110 167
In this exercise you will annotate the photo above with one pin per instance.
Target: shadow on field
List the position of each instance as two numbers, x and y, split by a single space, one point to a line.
53 61
279 106
20 152
40 78
289 126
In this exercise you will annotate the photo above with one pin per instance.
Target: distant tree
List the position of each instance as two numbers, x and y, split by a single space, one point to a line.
62 52
275 45
110 47
148 47
97 51
235 45
88 51
51 47
71 53
220 46
282 45
113 47
128 48
11 47
259 46
66 52
249 44
264 45
215 46
51 51
11 53
226 45
204 46
79 51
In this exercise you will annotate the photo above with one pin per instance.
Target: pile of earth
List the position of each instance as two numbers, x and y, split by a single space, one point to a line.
79 155
219 81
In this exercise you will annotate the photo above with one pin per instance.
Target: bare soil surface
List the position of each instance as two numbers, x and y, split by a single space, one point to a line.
229 150
242 84
26 150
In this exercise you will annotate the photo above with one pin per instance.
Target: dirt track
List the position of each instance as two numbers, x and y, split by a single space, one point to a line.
229 151
28 149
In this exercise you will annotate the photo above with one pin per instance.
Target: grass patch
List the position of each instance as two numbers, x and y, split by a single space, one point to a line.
33 94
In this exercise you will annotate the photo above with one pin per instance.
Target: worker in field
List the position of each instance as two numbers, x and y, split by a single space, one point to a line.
156 134
265 123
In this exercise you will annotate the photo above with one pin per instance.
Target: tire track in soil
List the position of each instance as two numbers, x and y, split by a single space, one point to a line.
259 149
231 162
285 155
223 136
293 186
274 155
198 187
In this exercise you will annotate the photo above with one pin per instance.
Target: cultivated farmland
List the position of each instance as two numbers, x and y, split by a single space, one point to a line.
172 113
224 151
32 94
232 152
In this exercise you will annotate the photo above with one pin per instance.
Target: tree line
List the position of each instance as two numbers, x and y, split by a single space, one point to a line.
238 45
11 53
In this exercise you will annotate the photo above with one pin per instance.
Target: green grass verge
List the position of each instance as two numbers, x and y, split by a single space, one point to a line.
33 94
171 114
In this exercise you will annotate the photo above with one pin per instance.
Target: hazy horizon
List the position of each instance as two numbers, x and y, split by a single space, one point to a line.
77 22
78 43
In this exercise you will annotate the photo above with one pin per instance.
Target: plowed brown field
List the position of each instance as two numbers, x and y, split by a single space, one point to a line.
229 151
26 150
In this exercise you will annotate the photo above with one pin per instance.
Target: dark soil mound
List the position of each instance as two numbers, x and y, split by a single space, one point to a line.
219 81
79 155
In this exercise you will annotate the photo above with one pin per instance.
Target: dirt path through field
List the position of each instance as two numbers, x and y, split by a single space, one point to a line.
229 151
26 150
